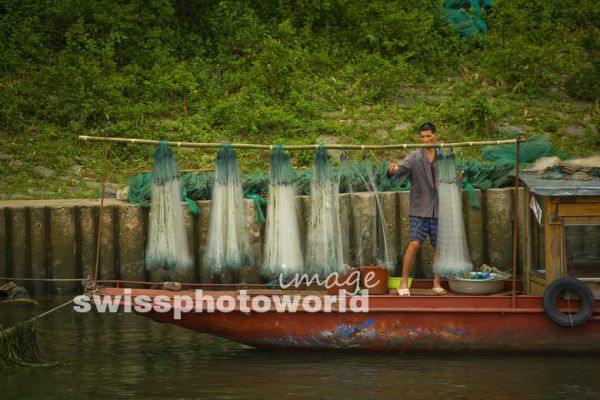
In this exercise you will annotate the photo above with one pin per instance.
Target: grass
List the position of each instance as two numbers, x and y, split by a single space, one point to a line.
464 108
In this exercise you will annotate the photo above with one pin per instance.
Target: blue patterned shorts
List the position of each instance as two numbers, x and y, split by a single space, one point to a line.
420 227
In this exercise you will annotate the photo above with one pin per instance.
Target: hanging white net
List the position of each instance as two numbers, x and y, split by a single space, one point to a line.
452 255
324 241
227 246
282 250
167 245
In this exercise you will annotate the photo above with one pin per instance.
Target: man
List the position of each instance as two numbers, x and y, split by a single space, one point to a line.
423 202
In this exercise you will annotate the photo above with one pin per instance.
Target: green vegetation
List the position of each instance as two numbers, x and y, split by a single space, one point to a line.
266 71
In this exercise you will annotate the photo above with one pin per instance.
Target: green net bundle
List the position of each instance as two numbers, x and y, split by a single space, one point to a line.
467 16
535 147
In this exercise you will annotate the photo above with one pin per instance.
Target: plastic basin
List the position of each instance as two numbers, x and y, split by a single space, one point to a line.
394 282
478 286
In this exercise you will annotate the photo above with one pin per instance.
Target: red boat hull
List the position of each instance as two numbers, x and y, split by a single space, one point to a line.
394 324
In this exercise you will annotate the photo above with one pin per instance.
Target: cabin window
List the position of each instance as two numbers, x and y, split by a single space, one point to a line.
538 243
582 250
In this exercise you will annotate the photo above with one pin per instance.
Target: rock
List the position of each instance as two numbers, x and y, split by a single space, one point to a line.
327 139
43 172
110 193
558 93
577 130
382 133
514 130
122 194
11 290
330 139
76 169
4 156
580 105
365 107
402 126
331 113
404 101
16 163
436 100
19 196
93 184
560 114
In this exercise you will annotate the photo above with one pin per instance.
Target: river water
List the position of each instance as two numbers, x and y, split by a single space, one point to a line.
105 356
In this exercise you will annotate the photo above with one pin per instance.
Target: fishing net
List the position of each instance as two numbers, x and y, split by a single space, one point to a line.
195 186
493 172
228 246
370 235
198 186
451 256
140 189
282 253
167 242
536 147
18 346
467 16
477 175
364 176
324 241
256 188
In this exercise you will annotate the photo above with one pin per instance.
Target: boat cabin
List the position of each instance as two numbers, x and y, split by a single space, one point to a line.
562 231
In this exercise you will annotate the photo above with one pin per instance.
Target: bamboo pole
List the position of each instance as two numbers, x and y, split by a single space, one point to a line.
515 227
181 171
304 146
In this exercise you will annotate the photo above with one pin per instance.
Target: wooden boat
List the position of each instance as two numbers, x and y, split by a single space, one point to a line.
419 323
531 322
536 321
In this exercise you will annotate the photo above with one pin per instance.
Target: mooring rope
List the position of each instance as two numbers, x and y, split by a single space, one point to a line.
58 307
4 278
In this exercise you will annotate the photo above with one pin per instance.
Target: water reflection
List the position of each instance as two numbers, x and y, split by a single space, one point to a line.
125 356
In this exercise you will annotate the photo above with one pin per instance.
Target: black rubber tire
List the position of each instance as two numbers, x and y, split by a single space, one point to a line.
569 320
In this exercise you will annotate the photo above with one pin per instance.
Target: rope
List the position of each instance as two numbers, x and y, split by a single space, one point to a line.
569 312
3 278
58 307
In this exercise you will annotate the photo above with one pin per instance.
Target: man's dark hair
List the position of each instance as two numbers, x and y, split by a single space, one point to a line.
427 126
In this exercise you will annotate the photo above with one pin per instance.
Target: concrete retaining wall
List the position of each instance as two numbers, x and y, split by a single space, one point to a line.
59 239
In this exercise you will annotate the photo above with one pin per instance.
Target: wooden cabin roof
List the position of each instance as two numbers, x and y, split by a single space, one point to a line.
561 187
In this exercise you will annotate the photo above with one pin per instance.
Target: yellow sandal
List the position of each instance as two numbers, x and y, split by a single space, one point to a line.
439 290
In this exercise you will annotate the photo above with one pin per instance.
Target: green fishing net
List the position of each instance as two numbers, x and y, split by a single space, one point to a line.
493 171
